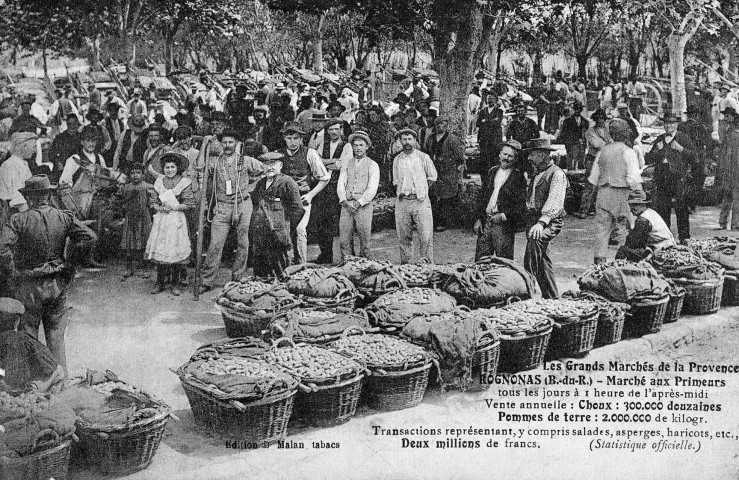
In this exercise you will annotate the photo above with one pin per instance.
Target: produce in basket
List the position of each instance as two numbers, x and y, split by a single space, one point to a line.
559 310
244 290
516 323
723 245
623 281
414 275
381 351
312 364
238 347
316 326
318 282
673 257
357 268
397 308
266 301
491 282
27 417
608 311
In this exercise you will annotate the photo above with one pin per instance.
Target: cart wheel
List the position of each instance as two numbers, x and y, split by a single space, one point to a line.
652 107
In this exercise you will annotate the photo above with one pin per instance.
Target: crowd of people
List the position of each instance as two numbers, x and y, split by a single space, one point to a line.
269 165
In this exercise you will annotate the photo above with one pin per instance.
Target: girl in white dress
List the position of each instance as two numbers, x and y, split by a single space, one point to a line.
169 241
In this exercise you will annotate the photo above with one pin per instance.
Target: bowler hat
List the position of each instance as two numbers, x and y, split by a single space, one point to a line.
638 197
408 131
336 103
94 115
362 135
401 98
37 184
293 127
599 114
539 144
271 157
182 162
113 106
729 111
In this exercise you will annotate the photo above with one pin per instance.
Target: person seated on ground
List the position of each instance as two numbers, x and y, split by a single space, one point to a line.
24 361
650 232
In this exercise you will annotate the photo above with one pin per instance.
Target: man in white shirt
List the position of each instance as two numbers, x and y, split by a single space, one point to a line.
473 106
137 106
721 103
13 174
637 93
357 186
615 172
112 98
413 174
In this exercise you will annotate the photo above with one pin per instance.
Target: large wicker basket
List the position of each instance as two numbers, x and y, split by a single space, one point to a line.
396 390
610 330
261 422
518 354
675 305
329 404
117 449
730 294
485 362
49 463
573 339
703 296
243 321
646 317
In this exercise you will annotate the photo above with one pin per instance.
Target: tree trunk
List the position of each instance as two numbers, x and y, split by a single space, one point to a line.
582 66
318 46
454 60
168 52
46 63
497 57
676 45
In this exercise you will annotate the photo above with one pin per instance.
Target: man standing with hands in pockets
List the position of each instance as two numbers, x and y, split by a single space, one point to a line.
413 174
358 182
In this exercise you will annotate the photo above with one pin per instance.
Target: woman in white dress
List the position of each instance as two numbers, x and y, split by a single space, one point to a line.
169 242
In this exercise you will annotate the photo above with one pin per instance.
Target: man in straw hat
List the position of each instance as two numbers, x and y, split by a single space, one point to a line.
32 255
721 103
14 172
673 156
727 174
545 214
650 232
615 173
413 175
596 137
304 165
229 177
357 186
502 205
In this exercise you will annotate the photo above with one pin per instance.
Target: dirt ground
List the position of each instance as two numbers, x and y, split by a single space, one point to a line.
119 325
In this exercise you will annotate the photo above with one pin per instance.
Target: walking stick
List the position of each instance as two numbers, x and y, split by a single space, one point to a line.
201 223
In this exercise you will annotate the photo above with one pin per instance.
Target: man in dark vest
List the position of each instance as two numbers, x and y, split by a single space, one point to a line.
334 151
32 257
490 132
522 129
65 145
304 165
545 214
115 127
132 146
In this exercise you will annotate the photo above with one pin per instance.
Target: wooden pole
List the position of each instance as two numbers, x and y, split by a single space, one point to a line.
202 212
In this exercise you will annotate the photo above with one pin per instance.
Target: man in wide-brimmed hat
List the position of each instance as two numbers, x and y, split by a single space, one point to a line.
230 175
14 172
572 136
334 151
94 118
522 128
65 145
132 145
615 173
673 156
357 186
545 214
413 175
304 165
649 233
32 257
596 138
727 174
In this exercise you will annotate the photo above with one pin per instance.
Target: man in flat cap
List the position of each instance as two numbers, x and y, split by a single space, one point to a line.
304 165
447 152
32 255
413 175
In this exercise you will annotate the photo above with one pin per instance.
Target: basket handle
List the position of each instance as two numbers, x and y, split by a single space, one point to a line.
346 331
363 313
464 308
52 435
279 330
512 300
276 343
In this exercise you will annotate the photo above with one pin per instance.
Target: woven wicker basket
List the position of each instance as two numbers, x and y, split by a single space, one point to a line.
703 296
609 330
330 404
675 305
117 449
646 317
396 390
524 353
50 463
730 295
260 422
573 339
485 362
244 321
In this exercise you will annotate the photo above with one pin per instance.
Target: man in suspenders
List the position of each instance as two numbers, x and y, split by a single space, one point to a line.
333 151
